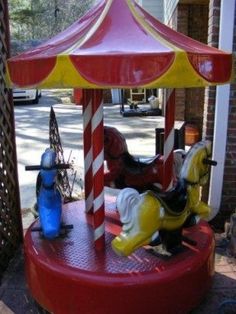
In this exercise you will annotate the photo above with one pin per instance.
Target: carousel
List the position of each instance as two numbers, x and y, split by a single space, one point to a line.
109 261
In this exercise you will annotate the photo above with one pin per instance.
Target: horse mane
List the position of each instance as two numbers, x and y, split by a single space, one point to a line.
130 162
190 161
125 203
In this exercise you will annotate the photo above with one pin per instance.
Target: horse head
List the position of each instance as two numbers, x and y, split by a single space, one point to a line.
114 143
49 199
196 166
48 172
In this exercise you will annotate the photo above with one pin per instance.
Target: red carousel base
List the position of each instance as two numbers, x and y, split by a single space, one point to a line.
66 275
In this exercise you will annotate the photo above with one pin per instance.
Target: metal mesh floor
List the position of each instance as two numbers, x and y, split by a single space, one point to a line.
76 250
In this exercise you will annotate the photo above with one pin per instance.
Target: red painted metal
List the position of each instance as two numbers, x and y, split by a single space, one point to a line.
145 68
98 168
88 152
77 96
220 67
209 62
128 49
30 67
68 276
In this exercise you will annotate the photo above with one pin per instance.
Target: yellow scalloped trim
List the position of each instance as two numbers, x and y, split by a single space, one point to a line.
64 71
180 74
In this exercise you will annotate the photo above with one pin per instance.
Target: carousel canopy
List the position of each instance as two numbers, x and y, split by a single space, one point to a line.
119 45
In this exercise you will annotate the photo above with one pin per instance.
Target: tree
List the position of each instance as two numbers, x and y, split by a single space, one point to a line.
42 19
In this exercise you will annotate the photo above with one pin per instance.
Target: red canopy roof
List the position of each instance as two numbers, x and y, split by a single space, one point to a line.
118 44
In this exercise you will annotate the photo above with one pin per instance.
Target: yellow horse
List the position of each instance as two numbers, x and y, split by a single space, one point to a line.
145 215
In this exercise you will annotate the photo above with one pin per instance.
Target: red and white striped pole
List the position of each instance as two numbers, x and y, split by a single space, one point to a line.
169 136
98 169
88 151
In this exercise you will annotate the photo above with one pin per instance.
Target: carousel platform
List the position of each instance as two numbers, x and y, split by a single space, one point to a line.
67 275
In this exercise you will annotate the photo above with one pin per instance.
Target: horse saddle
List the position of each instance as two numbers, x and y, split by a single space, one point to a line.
137 165
174 201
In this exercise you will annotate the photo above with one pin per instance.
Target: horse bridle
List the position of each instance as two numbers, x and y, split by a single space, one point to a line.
206 161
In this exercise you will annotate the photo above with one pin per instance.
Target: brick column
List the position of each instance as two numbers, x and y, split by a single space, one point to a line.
191 20
210 92
179 22
228 201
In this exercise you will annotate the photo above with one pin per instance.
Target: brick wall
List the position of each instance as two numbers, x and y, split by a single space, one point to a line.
197 29
228 200
179 22
210 92
201 102
181 26
191 20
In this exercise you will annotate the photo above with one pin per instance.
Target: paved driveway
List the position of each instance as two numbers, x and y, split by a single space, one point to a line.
32 129
32 138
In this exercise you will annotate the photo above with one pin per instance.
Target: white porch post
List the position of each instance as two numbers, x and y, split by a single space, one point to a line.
222 109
